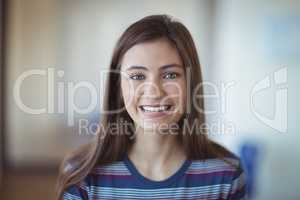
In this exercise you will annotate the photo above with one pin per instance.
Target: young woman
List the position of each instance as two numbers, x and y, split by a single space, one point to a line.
152 143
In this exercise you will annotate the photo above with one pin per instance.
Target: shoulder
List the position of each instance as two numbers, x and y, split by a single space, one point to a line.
79 191
226 173
229 166
99 175
224 160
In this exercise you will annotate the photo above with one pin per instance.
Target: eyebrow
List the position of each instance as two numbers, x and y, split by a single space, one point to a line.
161 68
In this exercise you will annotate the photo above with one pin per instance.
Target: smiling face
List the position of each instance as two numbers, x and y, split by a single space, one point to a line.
153 84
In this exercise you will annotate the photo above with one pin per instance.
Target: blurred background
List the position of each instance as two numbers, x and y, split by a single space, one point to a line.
53 51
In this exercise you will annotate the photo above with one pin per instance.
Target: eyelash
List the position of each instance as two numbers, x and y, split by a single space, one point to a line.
140 76
135 75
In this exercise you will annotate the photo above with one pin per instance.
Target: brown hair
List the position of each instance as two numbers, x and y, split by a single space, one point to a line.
107 148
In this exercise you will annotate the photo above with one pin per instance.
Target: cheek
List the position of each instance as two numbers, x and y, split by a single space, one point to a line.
128 92
125 86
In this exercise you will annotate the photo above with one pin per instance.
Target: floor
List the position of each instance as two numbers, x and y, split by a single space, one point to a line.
28 186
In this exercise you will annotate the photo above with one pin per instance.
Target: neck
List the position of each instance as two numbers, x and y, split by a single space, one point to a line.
153 148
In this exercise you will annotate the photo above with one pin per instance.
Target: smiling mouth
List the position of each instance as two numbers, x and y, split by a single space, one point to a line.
162 108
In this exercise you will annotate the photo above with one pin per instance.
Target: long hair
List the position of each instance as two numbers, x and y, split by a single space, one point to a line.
107 148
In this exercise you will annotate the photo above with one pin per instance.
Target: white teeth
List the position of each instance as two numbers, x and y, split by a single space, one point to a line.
155 108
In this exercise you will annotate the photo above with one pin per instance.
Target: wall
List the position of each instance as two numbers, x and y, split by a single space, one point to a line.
31 44
254 40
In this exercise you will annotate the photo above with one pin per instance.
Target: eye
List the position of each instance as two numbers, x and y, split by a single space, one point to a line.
170 75
137 76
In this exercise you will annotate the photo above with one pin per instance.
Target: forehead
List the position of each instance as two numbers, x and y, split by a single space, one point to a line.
152 54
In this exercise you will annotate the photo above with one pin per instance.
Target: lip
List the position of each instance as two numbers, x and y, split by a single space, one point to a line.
155 115
155 105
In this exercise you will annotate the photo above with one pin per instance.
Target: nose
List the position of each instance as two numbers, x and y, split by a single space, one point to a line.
153 89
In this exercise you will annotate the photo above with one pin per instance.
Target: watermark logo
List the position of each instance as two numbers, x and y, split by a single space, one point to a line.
279 120
219 94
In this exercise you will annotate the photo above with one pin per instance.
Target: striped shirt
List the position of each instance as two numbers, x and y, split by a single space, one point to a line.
195 179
